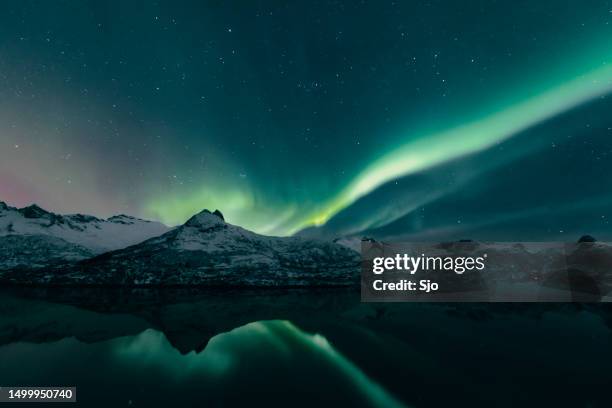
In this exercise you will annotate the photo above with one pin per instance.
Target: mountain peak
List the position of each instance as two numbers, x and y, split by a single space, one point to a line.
124 219
33 211
3 206
587 238
206 219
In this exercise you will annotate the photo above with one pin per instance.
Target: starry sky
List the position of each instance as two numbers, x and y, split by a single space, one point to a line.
340 117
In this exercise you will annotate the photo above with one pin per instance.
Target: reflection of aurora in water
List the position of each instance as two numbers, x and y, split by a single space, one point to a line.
424 355
286 347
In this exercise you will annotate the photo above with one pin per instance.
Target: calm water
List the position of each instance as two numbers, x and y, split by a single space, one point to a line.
301 348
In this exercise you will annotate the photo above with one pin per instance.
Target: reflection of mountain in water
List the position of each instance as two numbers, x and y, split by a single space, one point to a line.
277 345
302 347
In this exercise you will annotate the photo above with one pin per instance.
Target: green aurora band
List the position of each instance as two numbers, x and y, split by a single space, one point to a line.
243 207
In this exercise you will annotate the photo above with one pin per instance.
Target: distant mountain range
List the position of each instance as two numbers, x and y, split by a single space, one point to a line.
42 248
92 233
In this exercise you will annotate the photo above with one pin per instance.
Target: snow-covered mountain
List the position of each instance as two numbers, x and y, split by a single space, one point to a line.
95 234
35 251
208 251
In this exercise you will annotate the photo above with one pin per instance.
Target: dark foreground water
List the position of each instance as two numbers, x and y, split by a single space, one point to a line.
302 348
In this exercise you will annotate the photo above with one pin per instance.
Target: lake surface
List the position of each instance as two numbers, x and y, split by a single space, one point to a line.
302 348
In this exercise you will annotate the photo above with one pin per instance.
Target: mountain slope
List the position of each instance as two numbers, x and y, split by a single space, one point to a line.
95 234
35 251
208 251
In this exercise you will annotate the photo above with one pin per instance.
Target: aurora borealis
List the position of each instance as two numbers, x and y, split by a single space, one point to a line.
286 115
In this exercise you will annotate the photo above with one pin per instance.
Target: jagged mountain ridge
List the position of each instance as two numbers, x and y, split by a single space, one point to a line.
95 234
208 251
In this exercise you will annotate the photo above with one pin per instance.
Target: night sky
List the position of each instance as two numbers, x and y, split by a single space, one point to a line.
489 116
